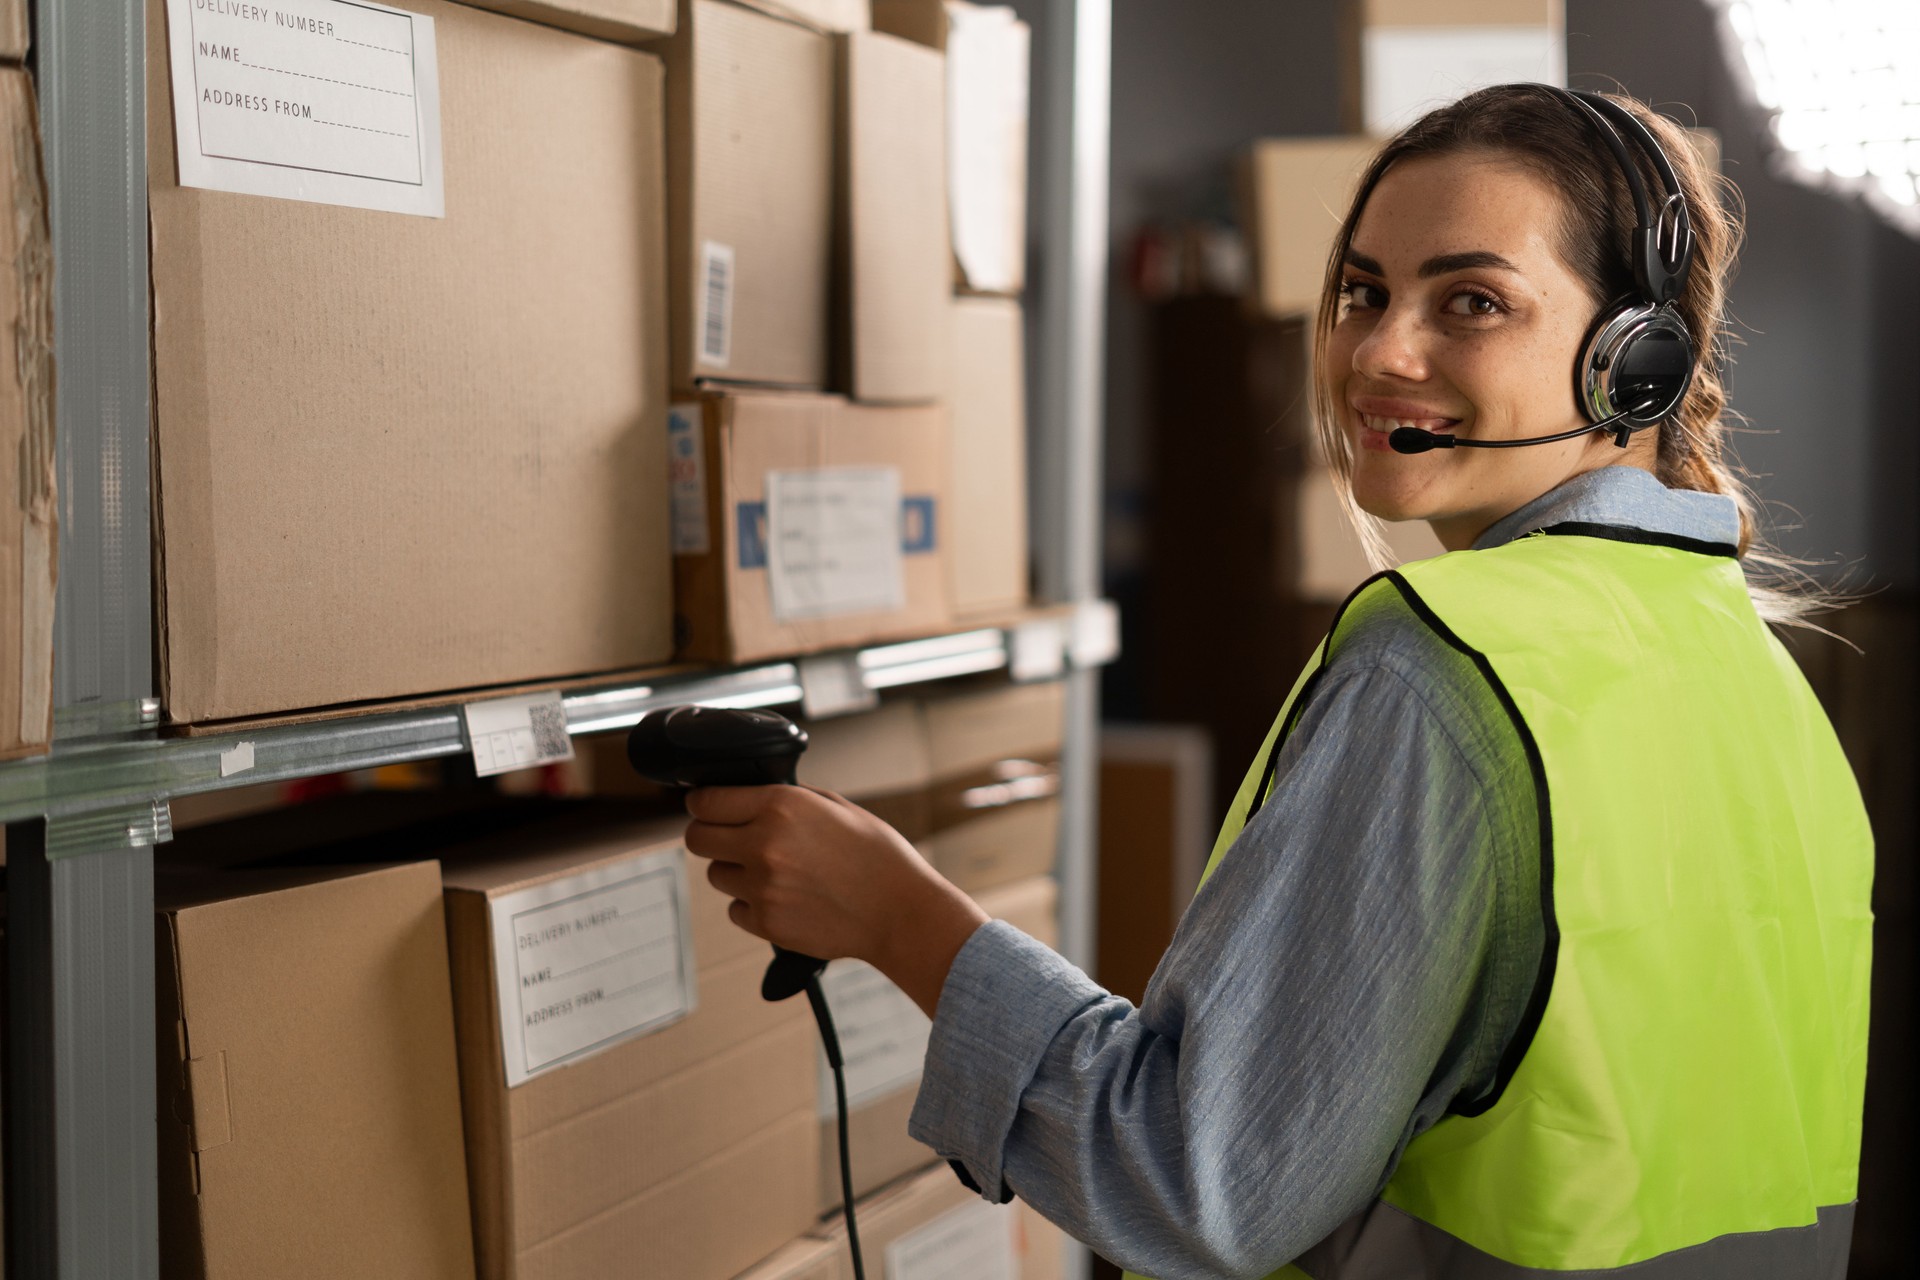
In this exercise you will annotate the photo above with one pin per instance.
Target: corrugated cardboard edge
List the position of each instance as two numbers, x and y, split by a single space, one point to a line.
572 17
827 16
181 1239
32 284
483 1080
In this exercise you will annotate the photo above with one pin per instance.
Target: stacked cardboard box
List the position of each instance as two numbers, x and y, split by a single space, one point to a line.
995 759
399 453
308 1094
627 21
29 537
931 1224
627 1092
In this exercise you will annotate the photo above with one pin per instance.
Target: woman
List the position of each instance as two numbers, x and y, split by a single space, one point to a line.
1537 939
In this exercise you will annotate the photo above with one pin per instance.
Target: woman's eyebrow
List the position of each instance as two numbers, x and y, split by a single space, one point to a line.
1446 262
1361 262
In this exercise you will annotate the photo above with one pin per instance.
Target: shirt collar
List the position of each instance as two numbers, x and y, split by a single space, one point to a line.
1627 497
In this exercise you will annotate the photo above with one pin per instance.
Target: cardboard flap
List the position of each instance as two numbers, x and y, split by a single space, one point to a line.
212 1119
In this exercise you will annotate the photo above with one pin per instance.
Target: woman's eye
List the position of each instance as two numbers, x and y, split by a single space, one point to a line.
1363 296
1469 303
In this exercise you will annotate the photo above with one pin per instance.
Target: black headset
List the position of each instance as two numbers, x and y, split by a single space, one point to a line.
1637 360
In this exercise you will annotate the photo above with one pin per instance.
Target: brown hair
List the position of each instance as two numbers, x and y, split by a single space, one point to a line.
1536 128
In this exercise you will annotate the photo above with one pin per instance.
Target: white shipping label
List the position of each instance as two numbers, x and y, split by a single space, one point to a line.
1039 650
714 324
833 542
883 1034
687 479
589 960
1408 71
329 101
832 684
972 1242
517 733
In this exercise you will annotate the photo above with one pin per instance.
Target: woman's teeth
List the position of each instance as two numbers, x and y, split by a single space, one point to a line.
1390 425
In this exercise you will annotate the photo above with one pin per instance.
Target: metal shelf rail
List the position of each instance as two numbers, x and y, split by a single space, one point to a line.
80 1165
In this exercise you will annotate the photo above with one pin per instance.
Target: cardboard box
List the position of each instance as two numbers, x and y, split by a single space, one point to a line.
988 51
14 31
29 533
1296 191
801 1260
988 443
612 1152
931 1224
624 21
995 759
308 1094
809 523
1405 57
401 454
878 760
883 1040
1332 560
891 305
750 144
1157 824
821 15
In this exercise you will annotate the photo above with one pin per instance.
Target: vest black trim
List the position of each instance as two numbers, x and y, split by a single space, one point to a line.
1550 926
1642 537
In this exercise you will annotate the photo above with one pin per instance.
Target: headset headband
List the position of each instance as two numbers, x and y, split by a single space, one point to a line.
1662 243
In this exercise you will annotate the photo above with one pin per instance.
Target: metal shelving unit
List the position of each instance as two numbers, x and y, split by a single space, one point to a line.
81 1174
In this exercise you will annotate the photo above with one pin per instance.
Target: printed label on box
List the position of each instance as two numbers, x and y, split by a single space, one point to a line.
834 542
329 101
517 733
587 961
972 1242
715 321
883 1034
687 478
1408 71
833 684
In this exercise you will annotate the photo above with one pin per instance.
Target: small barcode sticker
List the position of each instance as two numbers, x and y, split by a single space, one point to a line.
517 733
715 321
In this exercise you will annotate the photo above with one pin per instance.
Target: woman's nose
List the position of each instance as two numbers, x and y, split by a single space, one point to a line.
1394 348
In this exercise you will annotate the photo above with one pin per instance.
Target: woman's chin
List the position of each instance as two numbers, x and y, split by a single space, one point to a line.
1384 499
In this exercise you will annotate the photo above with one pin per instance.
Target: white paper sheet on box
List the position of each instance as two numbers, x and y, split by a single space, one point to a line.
329 101
883 1034
1408 71
589 960
972 1242
833 542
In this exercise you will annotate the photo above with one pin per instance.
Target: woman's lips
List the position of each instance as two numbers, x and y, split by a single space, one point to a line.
1377 429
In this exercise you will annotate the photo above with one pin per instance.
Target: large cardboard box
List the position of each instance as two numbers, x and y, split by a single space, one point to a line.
988 51
1405 57
988 443
626 21
1332 559
402 454
805 523
750 127
14 31
309 1104
822 15
995 757
801 1260
639 1128
891 308
29 534
1295 191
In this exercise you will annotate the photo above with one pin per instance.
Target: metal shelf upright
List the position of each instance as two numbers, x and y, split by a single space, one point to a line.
81 1174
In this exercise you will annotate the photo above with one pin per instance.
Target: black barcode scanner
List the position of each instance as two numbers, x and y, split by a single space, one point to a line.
689 746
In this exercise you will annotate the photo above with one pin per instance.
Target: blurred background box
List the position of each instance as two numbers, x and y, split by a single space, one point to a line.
1294 192
29 534
988 52
814 524
1405 57
801 1260
1157 825
308 1089
878 760
612 1153
399 454
624 21
892 275
14 31
750 196
822 15
995 757
1333 560
987 439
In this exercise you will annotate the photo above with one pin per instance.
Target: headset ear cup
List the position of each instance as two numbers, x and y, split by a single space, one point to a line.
1635 357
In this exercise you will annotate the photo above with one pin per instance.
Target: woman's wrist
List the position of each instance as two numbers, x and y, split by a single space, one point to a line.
918 952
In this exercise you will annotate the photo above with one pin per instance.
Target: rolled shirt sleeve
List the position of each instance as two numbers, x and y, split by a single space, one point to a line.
1327 994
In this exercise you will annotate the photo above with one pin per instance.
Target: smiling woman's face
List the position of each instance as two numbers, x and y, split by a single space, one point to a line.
1459 316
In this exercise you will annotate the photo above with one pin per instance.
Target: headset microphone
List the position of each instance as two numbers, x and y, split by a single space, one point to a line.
1419 439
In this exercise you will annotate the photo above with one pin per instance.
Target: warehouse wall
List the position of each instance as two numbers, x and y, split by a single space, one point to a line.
1825 303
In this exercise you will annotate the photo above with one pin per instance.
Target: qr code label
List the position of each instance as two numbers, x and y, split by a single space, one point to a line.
517 733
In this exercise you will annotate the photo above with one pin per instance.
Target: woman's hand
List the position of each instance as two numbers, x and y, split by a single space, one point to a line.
816 874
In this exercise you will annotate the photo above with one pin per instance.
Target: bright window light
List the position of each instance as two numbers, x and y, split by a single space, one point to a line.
1840 80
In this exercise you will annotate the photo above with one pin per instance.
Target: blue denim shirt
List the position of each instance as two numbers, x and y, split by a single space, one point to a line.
1357 962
